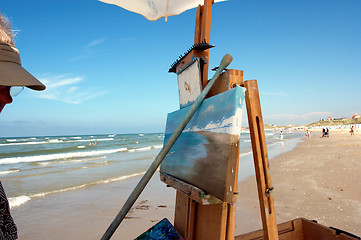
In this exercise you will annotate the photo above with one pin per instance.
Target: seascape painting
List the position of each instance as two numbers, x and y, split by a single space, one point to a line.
206 153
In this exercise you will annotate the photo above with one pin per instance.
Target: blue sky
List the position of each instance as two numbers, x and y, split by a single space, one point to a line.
106 69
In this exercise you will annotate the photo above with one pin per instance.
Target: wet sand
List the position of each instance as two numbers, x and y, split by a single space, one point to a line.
317 180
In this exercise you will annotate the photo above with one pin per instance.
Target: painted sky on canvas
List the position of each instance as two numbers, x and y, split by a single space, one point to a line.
106 69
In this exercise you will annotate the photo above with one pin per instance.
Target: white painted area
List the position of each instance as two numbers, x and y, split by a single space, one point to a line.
189 84
231 125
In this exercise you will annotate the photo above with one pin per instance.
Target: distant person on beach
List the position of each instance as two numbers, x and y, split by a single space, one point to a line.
352 131
323 132
327 132
281 134
13 79
307 133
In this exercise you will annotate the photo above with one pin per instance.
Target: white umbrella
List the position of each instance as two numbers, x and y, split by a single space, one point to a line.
155 9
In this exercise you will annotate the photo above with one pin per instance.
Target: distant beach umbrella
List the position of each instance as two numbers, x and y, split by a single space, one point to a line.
156 9
355 116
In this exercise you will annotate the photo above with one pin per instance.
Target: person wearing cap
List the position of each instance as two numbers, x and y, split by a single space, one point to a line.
12 75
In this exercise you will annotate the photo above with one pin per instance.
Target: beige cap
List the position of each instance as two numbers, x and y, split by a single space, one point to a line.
11 71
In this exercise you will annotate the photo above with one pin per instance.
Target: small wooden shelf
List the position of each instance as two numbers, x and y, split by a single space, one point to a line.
191 191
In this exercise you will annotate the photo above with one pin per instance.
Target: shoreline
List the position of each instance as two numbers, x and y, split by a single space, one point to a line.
87 212
309 180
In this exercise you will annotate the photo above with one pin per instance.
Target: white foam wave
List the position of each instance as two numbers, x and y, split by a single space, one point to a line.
8 172
104 139
82 146
120 178
145 148
75 137
17 201
48 157
71 161
11 140
245 153
140 149
272 144
92 140
24 143
55 141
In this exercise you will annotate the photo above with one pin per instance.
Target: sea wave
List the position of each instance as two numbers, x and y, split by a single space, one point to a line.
92 140
69 161
13 143
55 141
9 171
140 149
145 148
23 143
245 153
17 201
48 157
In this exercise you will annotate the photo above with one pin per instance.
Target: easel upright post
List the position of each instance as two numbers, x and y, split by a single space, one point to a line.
260 157
203 33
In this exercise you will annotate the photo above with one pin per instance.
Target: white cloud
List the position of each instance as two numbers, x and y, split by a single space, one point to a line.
87 51
95 42
64 88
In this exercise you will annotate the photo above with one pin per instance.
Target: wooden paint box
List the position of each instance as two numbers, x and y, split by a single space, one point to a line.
302 229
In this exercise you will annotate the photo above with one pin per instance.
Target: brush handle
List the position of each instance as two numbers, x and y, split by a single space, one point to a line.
227 59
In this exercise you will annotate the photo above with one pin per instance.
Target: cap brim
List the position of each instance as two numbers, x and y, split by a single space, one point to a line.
12 74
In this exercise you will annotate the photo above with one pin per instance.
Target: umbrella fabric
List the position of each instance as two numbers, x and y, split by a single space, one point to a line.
155 9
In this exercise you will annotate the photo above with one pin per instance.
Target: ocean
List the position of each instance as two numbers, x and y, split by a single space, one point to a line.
34 167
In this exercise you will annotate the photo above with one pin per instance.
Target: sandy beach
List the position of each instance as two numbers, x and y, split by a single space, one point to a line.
318 180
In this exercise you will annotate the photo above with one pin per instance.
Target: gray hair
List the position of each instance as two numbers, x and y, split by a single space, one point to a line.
6 34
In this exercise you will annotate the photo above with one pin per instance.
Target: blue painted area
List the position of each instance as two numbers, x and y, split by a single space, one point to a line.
188 148
216 114
163 230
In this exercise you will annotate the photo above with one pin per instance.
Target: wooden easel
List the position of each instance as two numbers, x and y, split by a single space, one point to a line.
199 216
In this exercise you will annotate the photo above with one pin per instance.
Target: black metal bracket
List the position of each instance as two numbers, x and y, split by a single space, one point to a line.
198 46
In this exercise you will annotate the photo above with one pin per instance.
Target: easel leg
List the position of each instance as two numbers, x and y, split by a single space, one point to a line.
195 221
184 217
260 157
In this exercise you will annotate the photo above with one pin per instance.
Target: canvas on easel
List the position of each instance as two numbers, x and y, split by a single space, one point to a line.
206 153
